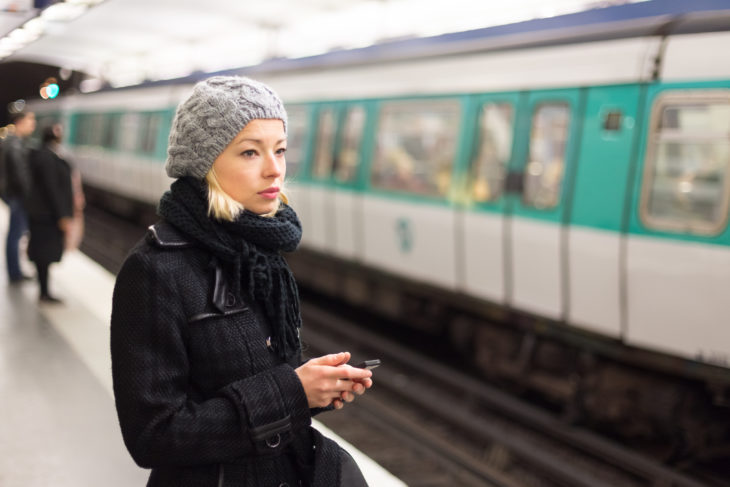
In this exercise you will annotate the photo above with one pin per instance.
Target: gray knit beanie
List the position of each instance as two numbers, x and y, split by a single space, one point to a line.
204 124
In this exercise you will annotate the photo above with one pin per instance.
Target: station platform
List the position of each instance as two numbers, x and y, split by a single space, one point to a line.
58 425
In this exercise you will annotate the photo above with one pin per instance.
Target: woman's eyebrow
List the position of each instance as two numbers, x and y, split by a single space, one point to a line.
257 141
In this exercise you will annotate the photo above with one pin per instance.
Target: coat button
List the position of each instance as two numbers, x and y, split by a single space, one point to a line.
230 300
273 441
283 484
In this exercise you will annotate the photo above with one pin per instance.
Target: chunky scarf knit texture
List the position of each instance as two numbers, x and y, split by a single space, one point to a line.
250 249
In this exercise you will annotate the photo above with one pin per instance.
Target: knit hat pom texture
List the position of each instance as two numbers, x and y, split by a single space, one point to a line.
207 121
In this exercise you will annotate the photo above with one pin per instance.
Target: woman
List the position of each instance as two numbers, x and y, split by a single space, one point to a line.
206 358
49 205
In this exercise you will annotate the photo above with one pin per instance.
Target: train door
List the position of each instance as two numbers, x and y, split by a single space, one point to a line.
321 227
483 224
346 177
335 173
537 202
599 204
678 250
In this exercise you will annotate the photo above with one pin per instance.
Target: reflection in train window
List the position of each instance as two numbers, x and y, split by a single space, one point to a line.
546 163
416 146
685 187
348 153
296 127
493 151
324 151
150 124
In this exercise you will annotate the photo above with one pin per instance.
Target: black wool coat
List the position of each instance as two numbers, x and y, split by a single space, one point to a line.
201 398
50 198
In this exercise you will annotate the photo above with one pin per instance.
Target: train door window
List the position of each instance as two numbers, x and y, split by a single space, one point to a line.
95 129
494 149
348 154
111 132
686 181
543 178
129 132
295 139
81 134
416 146
324 154
150 123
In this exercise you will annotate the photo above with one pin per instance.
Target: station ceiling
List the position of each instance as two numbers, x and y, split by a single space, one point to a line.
128 41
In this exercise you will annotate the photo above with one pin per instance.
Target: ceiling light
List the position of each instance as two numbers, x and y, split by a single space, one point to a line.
63 12
8 44
36 25
23 36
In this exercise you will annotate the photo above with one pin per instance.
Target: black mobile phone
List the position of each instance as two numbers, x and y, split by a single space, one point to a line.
368 364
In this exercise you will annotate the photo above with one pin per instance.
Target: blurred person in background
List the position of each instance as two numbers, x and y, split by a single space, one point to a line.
50 206
14 187
209 383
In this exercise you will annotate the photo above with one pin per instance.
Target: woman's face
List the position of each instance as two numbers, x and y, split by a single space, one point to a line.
252 167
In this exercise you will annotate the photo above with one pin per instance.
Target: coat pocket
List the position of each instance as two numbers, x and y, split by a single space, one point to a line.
219 347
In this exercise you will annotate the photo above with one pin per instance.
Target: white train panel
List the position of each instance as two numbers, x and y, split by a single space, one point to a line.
345 209
483 255
678 297
594 280
686 58
617 61
321 206
536 267
413 240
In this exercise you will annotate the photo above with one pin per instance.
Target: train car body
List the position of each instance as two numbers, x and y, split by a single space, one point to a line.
551 197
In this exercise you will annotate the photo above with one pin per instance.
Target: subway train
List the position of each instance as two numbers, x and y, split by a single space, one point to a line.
550 198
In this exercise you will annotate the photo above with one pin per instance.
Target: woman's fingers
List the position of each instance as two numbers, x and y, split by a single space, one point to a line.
333 359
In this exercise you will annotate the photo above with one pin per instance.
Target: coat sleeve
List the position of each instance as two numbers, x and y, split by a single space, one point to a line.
162 424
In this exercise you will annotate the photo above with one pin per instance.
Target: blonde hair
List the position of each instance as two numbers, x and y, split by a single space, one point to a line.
222 207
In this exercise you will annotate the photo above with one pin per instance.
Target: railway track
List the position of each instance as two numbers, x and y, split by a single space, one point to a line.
486 435
431 424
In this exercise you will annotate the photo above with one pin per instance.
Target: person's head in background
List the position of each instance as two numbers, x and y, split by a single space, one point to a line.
24 123
231 132
52 134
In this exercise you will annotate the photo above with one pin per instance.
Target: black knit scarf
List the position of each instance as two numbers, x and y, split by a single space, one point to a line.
251 247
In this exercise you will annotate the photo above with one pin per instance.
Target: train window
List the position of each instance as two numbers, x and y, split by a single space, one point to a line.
295 139
129 132
612 121
150 124
95 129
686 180
494 148
81 134
324 155
416 146
348 155
546 164
111 132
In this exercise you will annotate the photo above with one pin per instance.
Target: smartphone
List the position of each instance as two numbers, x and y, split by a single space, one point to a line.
368 364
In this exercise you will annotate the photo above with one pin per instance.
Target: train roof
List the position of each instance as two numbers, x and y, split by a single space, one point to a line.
645 19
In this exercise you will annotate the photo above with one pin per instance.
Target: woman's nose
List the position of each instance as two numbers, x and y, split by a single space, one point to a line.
272 166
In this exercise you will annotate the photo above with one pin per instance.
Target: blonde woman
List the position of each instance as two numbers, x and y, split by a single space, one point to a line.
206 358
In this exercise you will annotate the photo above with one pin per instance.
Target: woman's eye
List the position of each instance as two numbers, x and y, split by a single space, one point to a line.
248 153
281 151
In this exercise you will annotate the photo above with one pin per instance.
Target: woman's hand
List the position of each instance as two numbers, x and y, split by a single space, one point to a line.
328 380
